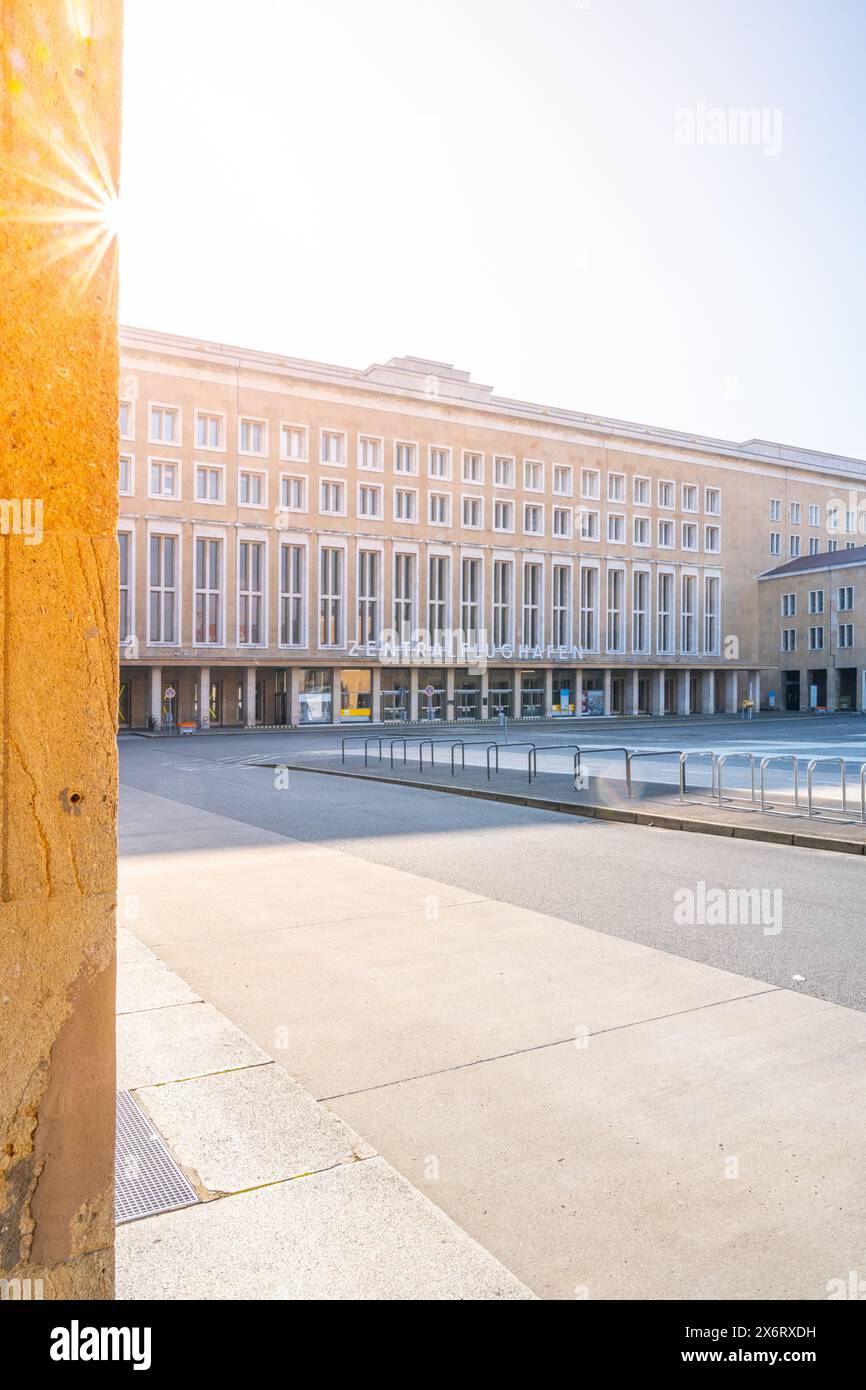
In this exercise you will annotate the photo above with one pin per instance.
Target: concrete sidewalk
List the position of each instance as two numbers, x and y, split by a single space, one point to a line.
607 1119
293 1203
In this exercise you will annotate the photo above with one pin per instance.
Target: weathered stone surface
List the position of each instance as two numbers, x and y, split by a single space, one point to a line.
59 148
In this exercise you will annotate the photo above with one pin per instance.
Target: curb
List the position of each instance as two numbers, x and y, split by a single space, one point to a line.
609 813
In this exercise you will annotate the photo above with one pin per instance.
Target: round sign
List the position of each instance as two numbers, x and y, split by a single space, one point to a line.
170 692
429 690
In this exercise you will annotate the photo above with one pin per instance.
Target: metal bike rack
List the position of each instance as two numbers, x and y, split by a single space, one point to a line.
810 773
519 744
562 748
779 758
613 748
720 763
645 753
697 753
391 750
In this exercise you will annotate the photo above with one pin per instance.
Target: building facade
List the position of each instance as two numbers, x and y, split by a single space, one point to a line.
302 543
812 611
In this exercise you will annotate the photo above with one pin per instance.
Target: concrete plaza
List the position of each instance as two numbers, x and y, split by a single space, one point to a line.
500 1003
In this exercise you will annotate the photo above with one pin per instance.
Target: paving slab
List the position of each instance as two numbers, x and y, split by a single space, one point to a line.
714 1155
143 982
356 1232
177 1042
242 1129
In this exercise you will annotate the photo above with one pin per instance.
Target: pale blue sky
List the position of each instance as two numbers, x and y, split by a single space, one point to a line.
497 183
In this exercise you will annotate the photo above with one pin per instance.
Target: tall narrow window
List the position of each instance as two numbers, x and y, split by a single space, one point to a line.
251 563
404 584
503 584
292 572
437 597
712 589
640 630
665 644
470 599
163 589
124 565
561 611
615 613
208 590
531 604
368 595
688 614
589 610
331 597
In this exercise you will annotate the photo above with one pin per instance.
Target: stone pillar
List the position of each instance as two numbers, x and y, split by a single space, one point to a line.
413 693
154 705
683 690
58 649
608 674
732 684
578 693
548 691
376 694
450 709
484 709
204 698
250 697
631 691
832 688
294 678
657 697
708 692
755 684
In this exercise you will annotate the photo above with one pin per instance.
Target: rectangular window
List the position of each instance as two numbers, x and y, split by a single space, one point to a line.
437 596
125 476
439 462
589 609
503 471
473 513
775 509
689 614
690 535
404 595
503 585
665 636
640 612
845 598
775 543
561 607
641 526
666 534
616 528
589 484
712 614
208 483
473 468
794 546
405 504
589 529
252 488
712 539
616 487
813 545
615 611
789 639
369 562
292 595
503 515
164 478
369 501
164 424
208 591
369 453
331 567
124 420
470 598
533 519
816 639
405 458
641 492
712 501
251 594
531 629
690 497
533 475
162 614
794 513
667 494
293 443
208 430
332 446
816 600
440 508
253 437
124 547
562 480
562 522
332 498
814 514
293 493
789 605
846 634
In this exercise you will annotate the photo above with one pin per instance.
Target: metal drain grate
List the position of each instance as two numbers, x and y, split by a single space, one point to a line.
147 1179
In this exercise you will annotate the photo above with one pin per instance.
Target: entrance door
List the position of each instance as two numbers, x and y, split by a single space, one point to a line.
215 706
356 696
281 703
532 697
792 689
617 691
500 698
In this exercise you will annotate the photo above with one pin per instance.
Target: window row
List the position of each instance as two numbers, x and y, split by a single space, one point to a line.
844 601
681 617
844 637
847 519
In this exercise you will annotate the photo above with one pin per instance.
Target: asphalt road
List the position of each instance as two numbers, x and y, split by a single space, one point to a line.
618 879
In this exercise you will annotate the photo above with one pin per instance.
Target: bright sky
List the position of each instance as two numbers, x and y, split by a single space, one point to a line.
507 185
